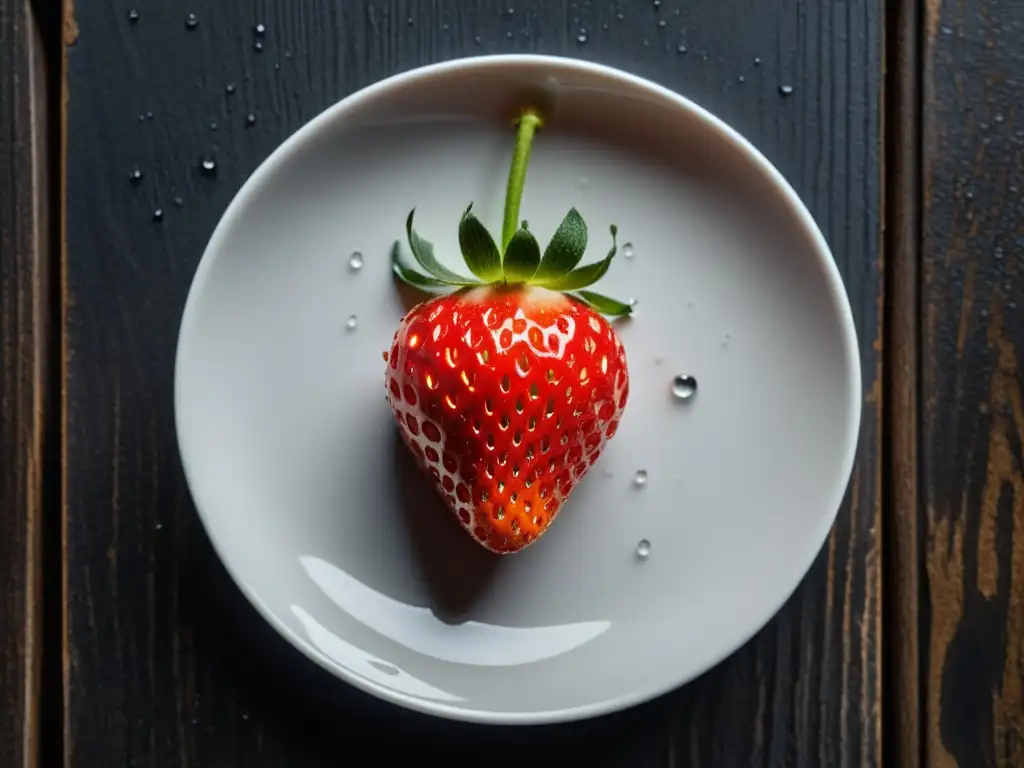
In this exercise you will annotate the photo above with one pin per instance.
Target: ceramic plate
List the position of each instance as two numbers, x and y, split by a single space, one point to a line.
324 521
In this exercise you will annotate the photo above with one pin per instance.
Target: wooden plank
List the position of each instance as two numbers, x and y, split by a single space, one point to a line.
23 353
972 459
901 569
167 662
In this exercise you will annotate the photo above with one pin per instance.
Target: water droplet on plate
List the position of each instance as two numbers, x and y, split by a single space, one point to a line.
158 214
662 24
355 261
786 90
191 22
643 549
133 15
352 323
179 203
640 478
229 88
682 49
208 166
684 387
260 30
159 526
511 11
757 61
627 250
136 175
741 79
581 38
250 120
258 46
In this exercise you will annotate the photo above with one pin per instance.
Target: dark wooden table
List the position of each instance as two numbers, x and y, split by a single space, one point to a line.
123 641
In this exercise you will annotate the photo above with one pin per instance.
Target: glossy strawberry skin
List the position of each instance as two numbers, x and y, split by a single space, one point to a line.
506 397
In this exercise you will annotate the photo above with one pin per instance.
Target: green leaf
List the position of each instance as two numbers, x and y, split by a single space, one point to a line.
521 257
584 276
405 272
565 249
478 248
605 304
423 250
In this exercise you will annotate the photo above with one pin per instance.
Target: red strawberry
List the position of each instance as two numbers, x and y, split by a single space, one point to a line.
508 389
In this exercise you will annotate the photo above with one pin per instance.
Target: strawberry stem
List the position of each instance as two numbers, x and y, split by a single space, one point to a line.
529 122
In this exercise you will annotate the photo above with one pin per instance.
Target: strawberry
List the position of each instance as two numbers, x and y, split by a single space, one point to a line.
507 389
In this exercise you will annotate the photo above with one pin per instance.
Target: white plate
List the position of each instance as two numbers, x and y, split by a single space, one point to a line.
323 520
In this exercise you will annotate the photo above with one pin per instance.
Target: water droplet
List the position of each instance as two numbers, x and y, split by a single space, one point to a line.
633 302
191 22
741 79
657 4
159 526
682 48
287 54
158 214
355 261
643 549
133 15
627 250
946 30
208 166
509 34
620 16
258 46
136 175
511 11
229 88
581 38
477 39
245 715
786 90
260 30
250 120
444 27
757 61
640 478
352 323
662 23
999 117
213 126
684 387
179 203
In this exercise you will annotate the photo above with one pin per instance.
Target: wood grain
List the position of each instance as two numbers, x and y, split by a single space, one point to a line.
973 410
168 665
23 352
902 563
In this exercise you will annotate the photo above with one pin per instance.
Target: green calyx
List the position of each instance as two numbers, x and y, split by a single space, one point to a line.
519 260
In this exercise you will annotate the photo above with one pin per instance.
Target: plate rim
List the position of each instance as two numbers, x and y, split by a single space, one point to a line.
750 155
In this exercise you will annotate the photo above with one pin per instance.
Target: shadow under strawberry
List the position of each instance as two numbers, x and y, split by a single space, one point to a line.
455 569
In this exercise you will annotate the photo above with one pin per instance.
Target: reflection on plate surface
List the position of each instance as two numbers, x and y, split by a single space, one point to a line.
361 663
418 629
